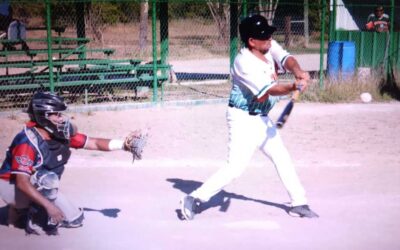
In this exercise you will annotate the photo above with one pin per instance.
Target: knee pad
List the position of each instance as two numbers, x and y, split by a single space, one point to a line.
46 183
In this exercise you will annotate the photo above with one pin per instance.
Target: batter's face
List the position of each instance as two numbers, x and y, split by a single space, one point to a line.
261 46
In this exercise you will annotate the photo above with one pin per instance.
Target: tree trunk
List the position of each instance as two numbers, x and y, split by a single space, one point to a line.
268 8
220 14
143 26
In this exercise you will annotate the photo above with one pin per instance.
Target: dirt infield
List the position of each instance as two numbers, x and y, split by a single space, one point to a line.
347 156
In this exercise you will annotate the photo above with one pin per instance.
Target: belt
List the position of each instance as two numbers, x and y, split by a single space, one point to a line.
250 112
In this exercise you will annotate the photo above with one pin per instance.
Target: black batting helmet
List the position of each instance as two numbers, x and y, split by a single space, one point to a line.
41 106
255 26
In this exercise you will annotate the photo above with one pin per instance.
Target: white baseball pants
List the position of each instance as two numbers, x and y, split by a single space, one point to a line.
246 133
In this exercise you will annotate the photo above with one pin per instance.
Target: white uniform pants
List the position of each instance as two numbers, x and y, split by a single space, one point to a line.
246 133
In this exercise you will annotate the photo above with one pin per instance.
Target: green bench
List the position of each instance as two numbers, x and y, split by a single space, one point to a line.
55 40
110 63
35 52
130 77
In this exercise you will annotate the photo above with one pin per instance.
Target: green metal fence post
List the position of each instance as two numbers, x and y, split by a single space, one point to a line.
331 19
80 25
154 42
244 8
49 44
164 31
334 20
164 37
322 46
391 45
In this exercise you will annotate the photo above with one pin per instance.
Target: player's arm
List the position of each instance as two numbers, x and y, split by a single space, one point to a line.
287 61
293 66
79 140
133 143
103 144
370 24
283 89
23 183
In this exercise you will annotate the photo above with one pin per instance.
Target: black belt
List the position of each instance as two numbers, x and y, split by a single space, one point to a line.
250 112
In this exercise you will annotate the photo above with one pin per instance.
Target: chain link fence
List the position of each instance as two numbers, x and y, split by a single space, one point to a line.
125 52
372 30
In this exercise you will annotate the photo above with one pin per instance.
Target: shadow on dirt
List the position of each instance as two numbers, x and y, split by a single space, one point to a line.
4 216
108 212
221 200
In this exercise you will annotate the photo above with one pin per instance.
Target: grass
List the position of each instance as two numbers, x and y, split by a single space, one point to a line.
346 91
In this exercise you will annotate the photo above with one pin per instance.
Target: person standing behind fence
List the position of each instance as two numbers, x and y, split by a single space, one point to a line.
5 15
378 21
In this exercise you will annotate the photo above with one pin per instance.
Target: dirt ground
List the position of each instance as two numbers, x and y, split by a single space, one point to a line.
347 156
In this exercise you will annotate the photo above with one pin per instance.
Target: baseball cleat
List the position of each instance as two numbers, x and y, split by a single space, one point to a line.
189 206
78 222
302 211
32 228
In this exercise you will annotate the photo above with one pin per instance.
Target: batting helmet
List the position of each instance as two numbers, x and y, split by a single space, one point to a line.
255 26
44 104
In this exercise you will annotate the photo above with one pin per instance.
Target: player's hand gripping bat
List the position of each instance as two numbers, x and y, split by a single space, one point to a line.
287 110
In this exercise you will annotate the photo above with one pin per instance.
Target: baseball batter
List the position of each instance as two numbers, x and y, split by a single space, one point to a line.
254 92
35 162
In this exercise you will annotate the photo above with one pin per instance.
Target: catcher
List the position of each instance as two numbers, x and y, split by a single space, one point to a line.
34 164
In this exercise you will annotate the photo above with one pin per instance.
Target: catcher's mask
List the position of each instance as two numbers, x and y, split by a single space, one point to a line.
47 110
255 26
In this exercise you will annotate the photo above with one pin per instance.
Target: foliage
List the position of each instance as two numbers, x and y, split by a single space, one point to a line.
345 91
179 10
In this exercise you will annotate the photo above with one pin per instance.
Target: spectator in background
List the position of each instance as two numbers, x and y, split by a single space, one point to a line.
5 15
378 21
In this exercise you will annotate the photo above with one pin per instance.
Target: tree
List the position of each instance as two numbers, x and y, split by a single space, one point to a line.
268 8
220 13
143 26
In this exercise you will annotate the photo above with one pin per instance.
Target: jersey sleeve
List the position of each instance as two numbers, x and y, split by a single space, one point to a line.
257 80
23 159
279 54
78 140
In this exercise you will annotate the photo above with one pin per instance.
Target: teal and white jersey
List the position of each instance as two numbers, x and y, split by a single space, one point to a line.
252 78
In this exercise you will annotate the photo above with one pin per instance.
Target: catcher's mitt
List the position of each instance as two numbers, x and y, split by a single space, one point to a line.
135 143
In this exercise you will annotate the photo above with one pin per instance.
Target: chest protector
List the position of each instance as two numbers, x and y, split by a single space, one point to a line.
55 153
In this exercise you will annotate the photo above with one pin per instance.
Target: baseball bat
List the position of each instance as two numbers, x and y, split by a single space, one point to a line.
287 110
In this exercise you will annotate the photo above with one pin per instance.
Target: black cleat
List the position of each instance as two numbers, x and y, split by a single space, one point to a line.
302 211
189 207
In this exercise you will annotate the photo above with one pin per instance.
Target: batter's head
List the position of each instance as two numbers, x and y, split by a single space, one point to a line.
45 104
255 26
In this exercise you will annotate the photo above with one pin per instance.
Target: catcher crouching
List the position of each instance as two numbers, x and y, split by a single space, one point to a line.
34 164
